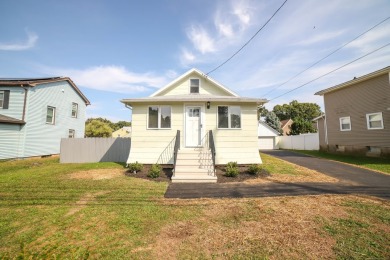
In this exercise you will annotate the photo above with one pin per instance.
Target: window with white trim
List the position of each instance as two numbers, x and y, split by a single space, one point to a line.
2 95
72 133
75 108
229 117
374 121
194 86
345 123
159 117
50 115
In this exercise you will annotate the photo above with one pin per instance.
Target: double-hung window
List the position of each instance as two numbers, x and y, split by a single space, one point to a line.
72 133
2 96
345 123
4 99
51 115
75 108
194 86
374 121
159 117
229 117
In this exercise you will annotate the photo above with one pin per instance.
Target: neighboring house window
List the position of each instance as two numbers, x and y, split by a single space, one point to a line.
345 123
159 117
374 121
229 117
72 133
194 86
4 99
75 108
51 115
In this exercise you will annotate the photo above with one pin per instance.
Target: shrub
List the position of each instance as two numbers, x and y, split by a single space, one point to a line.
232 169
255 169
154 171
135 167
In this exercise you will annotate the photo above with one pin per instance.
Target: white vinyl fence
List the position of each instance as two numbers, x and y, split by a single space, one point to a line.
300 142
80 150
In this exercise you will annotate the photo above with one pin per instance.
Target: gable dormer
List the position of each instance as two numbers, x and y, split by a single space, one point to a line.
194 82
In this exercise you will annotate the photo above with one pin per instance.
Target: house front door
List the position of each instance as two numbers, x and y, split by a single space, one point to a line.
193 126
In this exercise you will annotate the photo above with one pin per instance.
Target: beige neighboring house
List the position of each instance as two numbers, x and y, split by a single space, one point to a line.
357 116
207 123
286 126
123 132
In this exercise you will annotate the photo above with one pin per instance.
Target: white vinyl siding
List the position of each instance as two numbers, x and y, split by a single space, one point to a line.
51 115
229 117
75 108
374 121
159 117
345 123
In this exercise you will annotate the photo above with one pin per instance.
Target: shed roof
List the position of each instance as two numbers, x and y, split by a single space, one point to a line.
11 120
33 82
354 81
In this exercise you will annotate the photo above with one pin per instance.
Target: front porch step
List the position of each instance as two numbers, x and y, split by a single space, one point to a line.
194 166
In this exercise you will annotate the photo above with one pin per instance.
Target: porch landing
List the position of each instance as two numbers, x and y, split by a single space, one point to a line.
194 165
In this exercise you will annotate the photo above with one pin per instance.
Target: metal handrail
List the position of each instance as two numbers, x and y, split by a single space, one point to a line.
175 150
212 147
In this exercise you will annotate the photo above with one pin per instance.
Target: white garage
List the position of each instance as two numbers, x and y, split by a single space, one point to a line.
267 137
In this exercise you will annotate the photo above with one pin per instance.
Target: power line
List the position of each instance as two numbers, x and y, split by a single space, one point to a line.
342 46
361 57
247 41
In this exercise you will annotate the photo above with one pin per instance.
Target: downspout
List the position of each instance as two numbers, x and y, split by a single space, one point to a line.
129 107
21 127
24 102
326 126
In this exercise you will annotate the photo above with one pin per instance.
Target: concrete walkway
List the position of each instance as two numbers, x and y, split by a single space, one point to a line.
353 180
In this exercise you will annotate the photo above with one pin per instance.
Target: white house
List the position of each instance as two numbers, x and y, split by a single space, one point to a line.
267 137
209 123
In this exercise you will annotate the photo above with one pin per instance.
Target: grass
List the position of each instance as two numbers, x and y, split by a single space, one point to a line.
52 210
377 164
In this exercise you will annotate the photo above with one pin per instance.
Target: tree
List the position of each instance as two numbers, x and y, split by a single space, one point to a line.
121 124
261 111
301 113
97 128
114 126
273 121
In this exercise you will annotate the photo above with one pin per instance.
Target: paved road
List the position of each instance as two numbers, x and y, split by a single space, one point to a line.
343 172
353 180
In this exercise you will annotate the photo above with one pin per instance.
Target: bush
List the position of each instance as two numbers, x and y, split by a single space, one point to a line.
135 167
255 169
232 169
154 171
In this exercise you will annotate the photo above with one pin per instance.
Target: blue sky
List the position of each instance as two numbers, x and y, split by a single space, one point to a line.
124 49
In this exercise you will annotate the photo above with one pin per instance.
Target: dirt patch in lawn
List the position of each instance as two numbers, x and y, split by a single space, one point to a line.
98 174
80 204
273 227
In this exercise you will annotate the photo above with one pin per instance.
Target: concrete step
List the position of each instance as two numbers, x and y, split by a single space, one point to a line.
193 179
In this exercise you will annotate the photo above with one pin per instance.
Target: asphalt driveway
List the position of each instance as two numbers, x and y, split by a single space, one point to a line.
353 180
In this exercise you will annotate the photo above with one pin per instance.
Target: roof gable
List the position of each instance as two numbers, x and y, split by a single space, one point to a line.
180 85
265 130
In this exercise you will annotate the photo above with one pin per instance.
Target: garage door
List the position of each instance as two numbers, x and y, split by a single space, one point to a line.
266 143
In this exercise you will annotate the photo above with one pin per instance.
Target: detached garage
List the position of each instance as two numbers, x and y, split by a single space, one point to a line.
267 137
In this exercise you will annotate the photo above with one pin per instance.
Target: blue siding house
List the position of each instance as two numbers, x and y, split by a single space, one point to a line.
36 113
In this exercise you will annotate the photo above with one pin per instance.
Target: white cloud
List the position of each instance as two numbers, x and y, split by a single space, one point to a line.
187 56
224 28
30 43
318 38
200 39
242 11
112 78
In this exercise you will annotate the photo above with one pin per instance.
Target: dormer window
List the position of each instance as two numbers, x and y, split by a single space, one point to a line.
194 86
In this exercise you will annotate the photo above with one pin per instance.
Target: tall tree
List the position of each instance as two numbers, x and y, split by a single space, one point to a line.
301 113
97 128
261 111
273 121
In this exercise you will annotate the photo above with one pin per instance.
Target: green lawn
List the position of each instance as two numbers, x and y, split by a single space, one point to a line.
377 164
46 213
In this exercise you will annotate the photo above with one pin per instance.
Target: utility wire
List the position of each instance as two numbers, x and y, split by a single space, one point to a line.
231 57
361 57
342 46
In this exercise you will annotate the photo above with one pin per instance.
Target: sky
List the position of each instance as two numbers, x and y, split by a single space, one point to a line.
127 49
